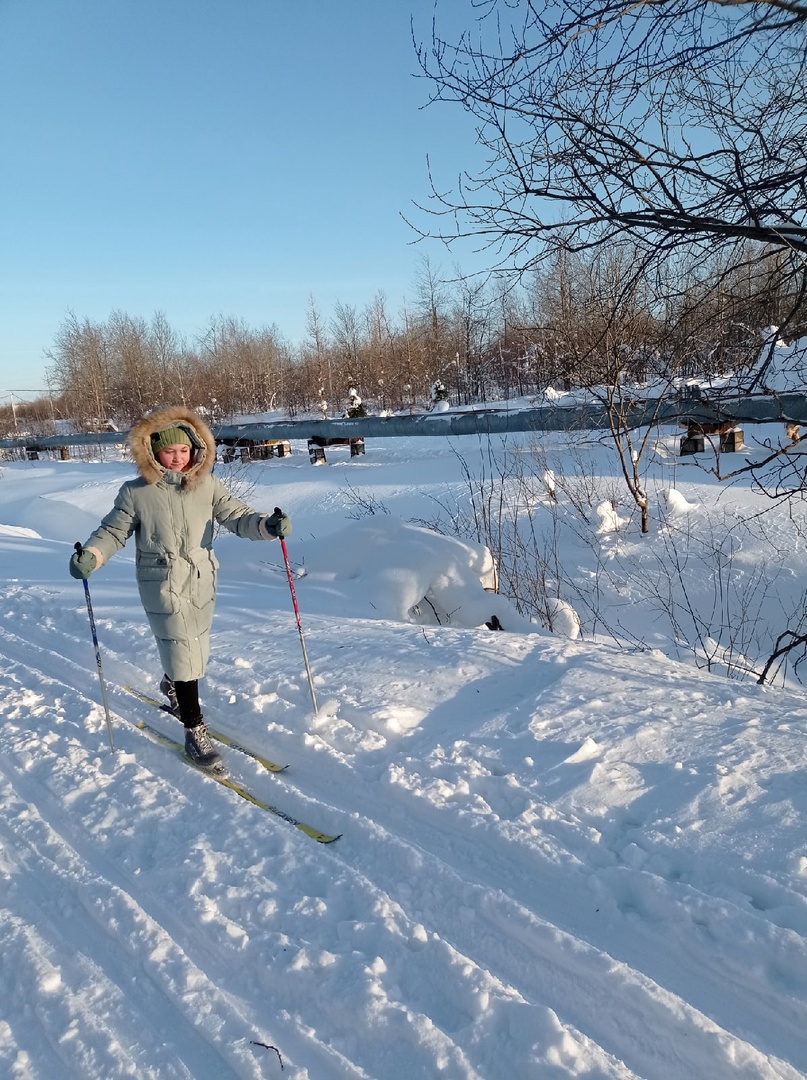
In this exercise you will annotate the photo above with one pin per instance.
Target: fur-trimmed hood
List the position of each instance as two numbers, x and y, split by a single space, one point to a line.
204 445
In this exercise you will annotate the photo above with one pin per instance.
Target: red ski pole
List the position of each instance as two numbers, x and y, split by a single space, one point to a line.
290 576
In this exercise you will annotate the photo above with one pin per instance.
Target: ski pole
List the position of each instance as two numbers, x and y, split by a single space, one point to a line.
101 679
290 576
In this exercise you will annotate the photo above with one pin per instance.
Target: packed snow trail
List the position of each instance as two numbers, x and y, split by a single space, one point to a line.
453 935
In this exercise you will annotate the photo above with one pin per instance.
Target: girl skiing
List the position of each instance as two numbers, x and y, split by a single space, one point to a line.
172 508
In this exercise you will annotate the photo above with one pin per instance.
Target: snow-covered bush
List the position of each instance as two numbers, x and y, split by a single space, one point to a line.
355 406
414 575
439 396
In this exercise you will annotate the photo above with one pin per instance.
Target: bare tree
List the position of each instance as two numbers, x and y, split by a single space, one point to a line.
430 325
471 316
243 366
167 351
317 348
677 127
382 354
349 352
674 121
130 365
79 371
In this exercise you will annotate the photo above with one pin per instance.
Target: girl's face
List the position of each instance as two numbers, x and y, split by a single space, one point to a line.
177 457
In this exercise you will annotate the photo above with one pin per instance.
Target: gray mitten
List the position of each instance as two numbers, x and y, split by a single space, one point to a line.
278 524
82 564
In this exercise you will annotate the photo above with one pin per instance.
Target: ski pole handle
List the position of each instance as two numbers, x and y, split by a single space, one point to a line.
78 549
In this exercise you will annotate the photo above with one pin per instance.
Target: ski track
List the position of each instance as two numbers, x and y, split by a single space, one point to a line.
534 839
136 924
499 969
136 920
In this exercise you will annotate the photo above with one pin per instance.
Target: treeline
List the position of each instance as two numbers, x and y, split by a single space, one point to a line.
588 319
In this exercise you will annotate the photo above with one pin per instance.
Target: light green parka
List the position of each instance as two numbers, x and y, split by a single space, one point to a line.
172 516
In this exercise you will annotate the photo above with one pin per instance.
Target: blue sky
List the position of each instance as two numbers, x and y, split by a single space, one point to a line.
212 157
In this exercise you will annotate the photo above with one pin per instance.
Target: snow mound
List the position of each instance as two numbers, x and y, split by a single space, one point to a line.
18 530
610 521
413 574
565 620
781 368
675 502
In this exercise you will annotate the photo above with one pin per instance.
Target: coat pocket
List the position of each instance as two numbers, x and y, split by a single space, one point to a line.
154 583
205 579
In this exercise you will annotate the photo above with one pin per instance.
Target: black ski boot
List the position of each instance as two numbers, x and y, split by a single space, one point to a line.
167 688
200 749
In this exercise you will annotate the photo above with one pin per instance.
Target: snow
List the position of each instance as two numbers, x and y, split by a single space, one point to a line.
781 367
563 854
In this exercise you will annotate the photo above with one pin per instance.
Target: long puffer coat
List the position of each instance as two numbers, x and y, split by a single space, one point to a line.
172 516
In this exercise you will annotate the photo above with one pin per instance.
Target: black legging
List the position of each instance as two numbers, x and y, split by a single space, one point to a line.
188 701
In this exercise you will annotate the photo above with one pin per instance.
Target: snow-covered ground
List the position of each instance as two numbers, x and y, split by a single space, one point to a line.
561 856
